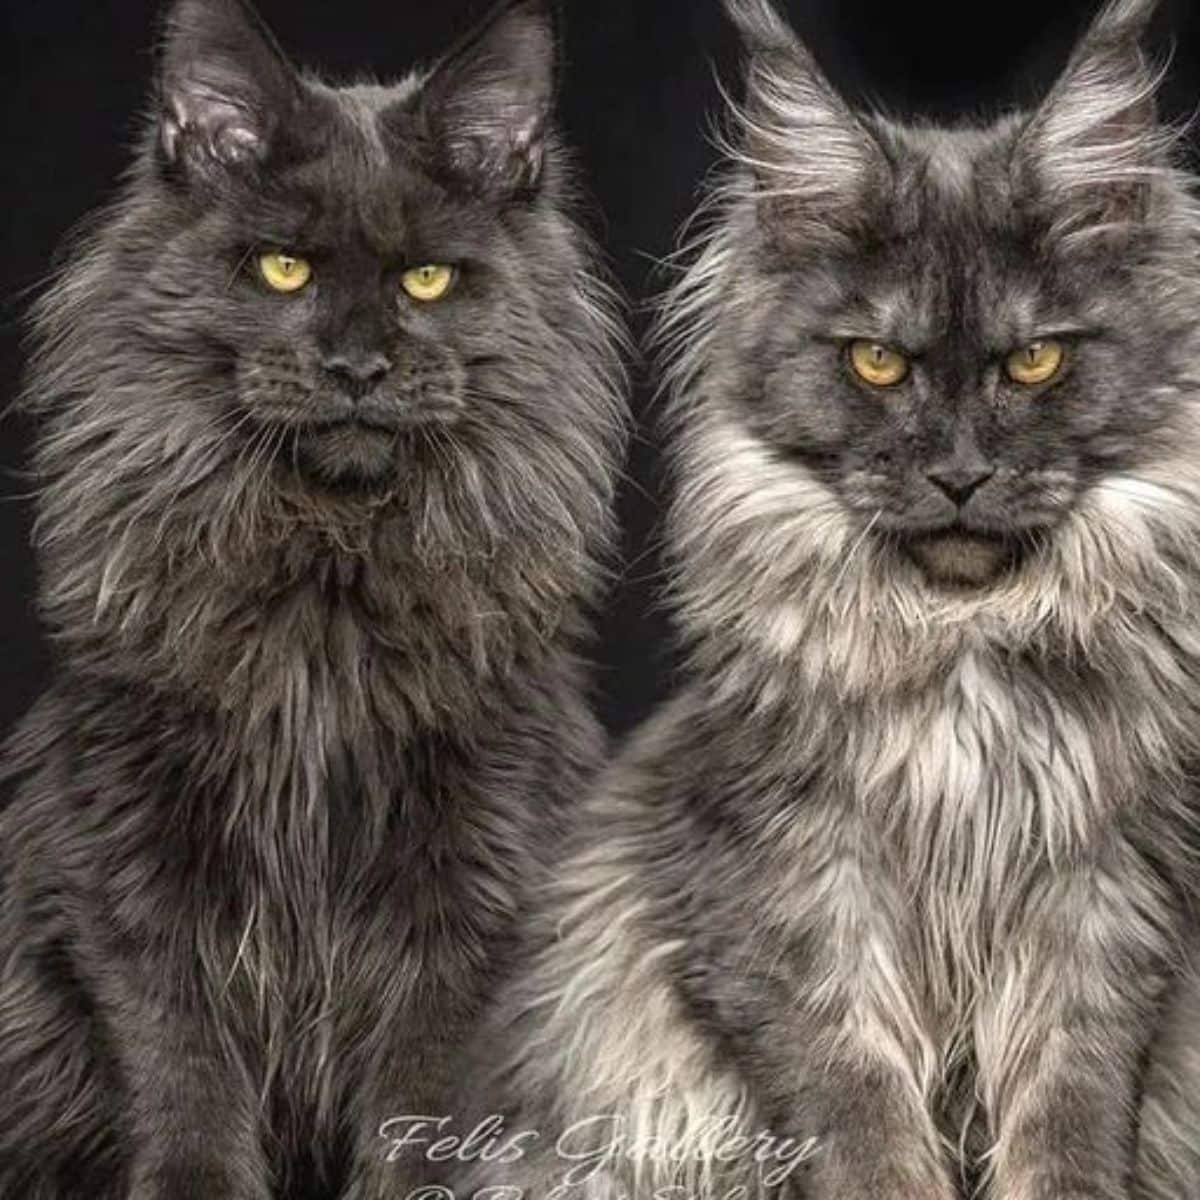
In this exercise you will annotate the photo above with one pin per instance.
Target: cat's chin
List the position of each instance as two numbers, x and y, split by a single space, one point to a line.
958 559
346 457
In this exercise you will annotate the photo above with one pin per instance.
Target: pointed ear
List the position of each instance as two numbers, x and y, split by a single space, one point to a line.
816 165
224 87
487 105
1093 150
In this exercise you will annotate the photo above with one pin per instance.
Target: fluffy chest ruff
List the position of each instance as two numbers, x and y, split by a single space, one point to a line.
971 830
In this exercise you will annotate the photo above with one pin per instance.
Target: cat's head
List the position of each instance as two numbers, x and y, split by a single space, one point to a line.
317 312
937 374
348 249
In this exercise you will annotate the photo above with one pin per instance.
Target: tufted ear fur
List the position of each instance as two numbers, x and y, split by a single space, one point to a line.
1094 148
225 87
487 106
816 164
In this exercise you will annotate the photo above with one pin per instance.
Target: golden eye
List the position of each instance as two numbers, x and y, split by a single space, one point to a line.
429 283
1036 363
877 365
285 272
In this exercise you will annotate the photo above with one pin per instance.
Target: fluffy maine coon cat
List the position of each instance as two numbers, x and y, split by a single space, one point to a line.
331 411
894 901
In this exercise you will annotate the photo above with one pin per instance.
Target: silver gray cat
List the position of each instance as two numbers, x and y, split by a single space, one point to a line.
896 899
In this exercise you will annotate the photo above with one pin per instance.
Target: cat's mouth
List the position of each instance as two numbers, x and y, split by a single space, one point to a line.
962 558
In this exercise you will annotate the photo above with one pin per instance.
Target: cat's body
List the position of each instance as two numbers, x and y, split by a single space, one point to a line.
748 953
336 946
905 880
317 556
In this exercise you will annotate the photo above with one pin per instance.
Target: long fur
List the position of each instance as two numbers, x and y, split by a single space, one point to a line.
910 872
307 747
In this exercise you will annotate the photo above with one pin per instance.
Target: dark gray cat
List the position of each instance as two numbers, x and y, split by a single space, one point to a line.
893 902
331 404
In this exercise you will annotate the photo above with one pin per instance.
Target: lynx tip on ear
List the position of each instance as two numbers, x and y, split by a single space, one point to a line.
760 24
1122 19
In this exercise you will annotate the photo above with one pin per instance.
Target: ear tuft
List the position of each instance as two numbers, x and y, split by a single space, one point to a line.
224 87
488 104
761 26
1096 146
816 165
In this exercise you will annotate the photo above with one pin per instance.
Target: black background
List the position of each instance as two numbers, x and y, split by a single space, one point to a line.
639 94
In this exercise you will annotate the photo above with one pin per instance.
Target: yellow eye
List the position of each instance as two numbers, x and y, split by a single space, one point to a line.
877 365
429 283
1036 363
285 272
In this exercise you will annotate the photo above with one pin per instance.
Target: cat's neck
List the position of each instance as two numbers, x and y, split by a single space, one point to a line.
344 621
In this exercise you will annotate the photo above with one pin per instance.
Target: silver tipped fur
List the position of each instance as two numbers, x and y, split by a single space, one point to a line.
907 873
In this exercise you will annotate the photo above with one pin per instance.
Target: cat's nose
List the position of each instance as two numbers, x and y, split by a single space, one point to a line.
357 373
960 480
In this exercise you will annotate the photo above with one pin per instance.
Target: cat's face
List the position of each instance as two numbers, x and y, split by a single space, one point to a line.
956 382
348 254
956 335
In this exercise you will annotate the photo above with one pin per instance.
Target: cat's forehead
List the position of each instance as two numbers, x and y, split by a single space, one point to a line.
959 288
959 256
362 181
948 163
358 113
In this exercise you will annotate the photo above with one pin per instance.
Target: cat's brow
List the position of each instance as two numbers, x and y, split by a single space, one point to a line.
279 228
